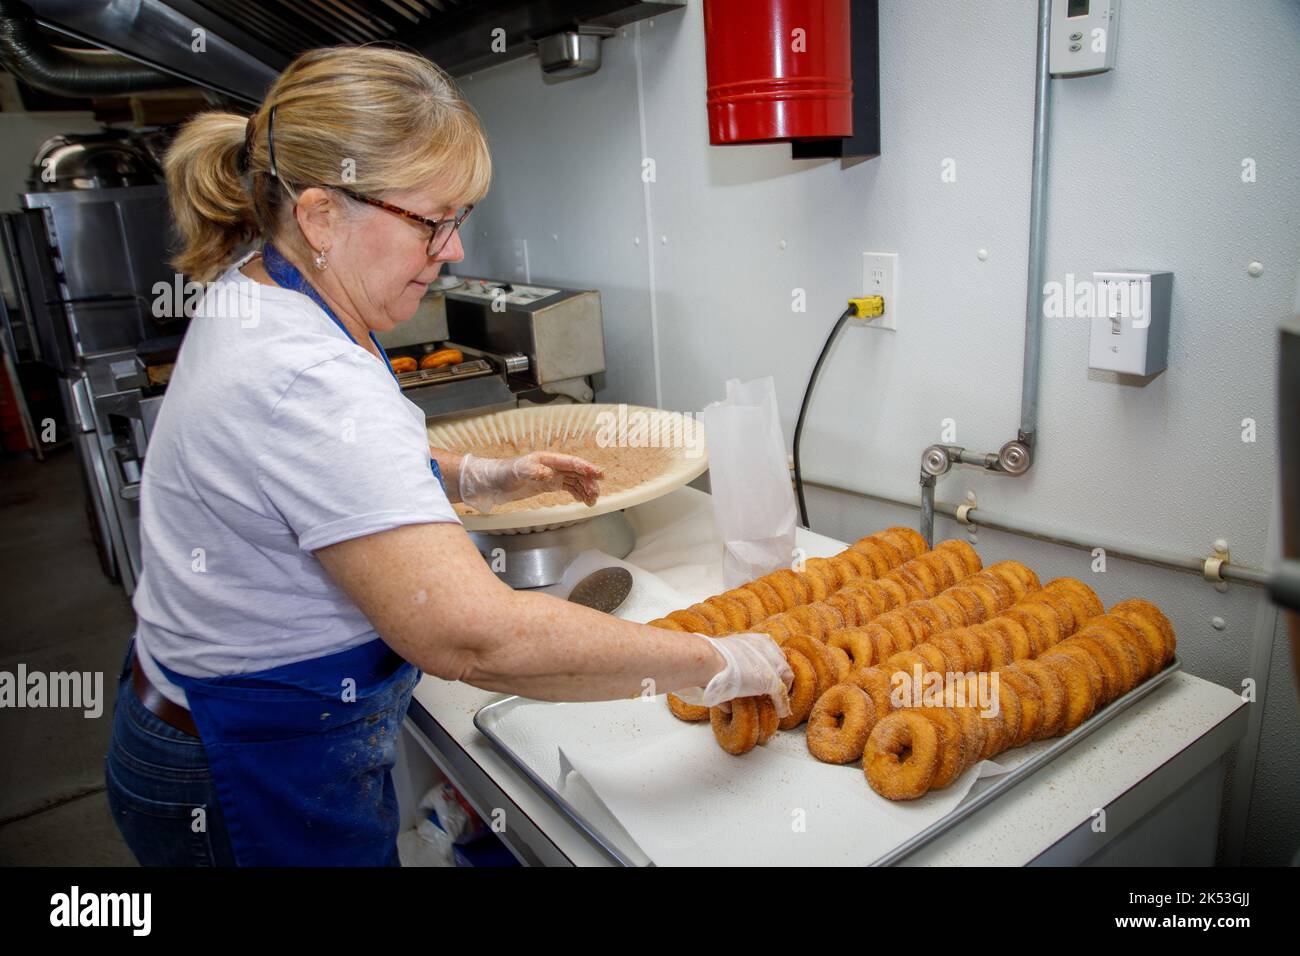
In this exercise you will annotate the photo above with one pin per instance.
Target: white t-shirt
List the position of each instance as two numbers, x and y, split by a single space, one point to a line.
278 436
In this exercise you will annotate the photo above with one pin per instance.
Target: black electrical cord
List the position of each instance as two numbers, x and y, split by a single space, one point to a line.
803 411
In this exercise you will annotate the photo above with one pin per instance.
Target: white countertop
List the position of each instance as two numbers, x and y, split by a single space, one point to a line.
1018 826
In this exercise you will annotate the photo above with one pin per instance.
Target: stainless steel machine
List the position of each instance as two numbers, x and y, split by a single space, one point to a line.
522 345
89 243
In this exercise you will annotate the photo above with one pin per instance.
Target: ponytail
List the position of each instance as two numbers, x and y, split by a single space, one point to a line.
209 193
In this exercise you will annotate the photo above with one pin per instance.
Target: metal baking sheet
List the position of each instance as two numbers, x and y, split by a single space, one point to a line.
486 719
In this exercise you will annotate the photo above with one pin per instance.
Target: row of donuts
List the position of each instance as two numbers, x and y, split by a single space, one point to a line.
914 750
951 561
818 663
1041 620
783 590
859 602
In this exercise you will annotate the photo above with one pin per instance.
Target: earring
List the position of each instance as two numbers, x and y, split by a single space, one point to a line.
321 264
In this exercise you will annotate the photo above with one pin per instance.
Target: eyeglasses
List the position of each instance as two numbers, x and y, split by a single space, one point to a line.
440 230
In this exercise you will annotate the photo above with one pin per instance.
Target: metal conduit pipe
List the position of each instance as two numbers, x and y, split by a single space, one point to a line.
1239 573
1016 456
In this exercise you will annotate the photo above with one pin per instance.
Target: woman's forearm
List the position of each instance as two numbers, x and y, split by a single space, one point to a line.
449 465
549 649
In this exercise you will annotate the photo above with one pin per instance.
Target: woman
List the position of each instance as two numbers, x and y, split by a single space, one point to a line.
302 561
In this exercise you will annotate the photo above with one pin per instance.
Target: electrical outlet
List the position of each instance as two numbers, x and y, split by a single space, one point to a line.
880 277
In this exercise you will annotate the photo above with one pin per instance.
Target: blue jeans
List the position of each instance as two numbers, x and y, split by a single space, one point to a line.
158 780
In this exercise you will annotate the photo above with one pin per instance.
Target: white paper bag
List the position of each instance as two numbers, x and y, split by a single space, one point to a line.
753 501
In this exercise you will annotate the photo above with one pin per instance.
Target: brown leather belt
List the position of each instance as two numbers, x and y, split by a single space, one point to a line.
171 714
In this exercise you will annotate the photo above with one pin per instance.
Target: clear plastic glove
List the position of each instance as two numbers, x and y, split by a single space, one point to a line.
755 665
487 482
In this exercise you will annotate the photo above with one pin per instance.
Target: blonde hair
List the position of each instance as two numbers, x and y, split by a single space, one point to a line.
369 119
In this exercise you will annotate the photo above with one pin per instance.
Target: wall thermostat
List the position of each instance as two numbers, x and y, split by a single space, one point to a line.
1082 39
1130 322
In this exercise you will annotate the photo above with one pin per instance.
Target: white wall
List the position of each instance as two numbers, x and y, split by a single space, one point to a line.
1145 172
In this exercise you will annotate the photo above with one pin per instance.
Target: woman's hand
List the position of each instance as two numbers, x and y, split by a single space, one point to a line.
486 482
753 665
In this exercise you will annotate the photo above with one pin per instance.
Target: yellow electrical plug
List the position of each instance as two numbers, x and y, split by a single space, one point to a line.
868 307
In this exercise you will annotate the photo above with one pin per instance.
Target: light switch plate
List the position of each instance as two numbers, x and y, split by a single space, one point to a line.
1130 322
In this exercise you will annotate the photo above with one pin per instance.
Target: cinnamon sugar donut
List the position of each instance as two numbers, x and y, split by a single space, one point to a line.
953 653
888 594
840 662
934 659
1128 632
876 555
755 610
909 541
776 628
932 616
787 585
959 605
944 566
839 724
856 643
895 548
832 570
737 618
684 711
1009 707
717 620
1125 654
859 563
998 646
815 586
1084 598
911 587
1146 617
737 730
1017 576
803 690
875 681
1112 683
845 607
968 556
832 619
1015 624
952 746
976 653
901 757
882 641
818 656
692 622
1079 698
1059 601
1052 691
666 624
1031 702
767 719
1149 612
804 620
767 595
973 732
1090 669
908 629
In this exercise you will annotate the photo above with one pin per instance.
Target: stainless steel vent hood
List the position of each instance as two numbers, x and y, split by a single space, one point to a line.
246 43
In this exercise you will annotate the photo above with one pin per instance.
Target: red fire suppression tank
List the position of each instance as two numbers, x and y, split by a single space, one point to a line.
778 70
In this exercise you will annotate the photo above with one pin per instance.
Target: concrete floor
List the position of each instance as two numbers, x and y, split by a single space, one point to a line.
58 612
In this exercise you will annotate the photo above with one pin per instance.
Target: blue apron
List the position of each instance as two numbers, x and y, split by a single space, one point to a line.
301 754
